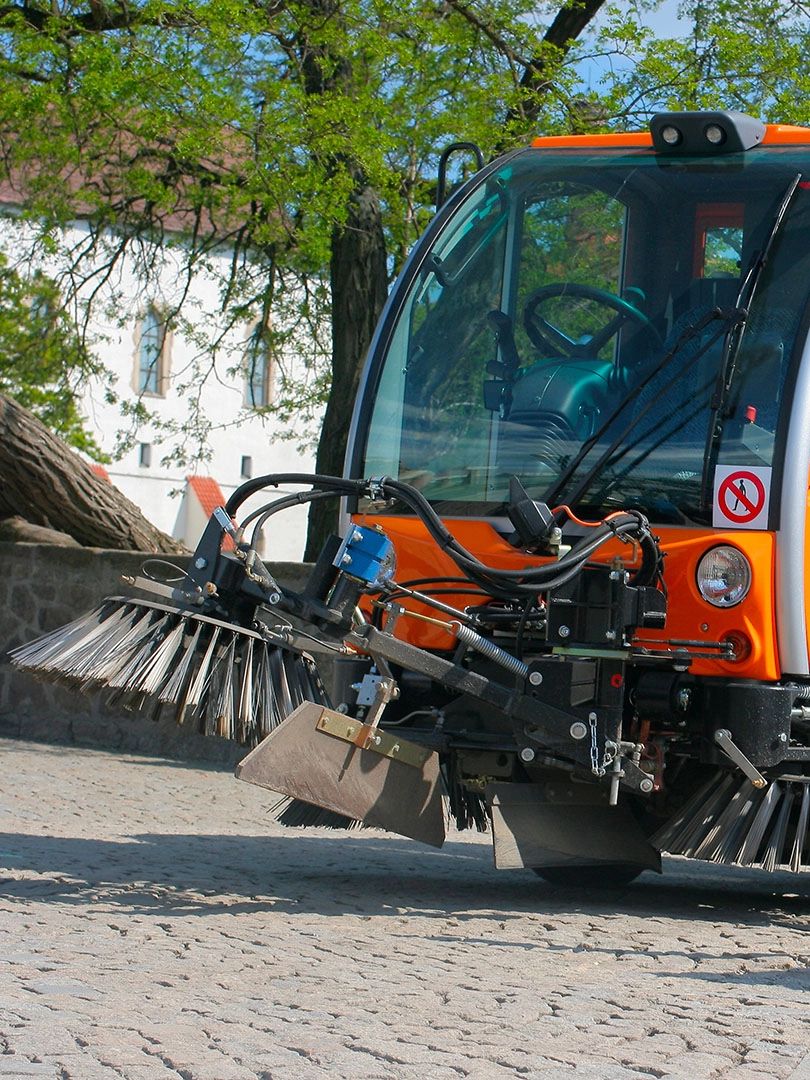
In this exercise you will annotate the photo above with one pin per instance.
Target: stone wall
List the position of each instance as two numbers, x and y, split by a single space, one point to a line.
45 586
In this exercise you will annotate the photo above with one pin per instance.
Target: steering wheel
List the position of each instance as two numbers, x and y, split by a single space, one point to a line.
544 335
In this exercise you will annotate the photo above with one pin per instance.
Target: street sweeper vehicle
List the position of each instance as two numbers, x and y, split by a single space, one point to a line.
569 598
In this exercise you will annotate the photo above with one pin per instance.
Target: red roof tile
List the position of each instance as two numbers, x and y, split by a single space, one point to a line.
209 495
208 492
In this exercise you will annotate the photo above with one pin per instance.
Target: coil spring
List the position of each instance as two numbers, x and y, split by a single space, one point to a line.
491 650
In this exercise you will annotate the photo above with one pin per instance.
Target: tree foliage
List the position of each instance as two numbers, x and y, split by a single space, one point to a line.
256 124
302 137
301 134
728 54
43 356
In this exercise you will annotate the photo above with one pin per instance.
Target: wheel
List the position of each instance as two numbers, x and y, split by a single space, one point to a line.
544 335
607 876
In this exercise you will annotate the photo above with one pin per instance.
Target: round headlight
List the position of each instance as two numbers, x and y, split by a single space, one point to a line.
724 576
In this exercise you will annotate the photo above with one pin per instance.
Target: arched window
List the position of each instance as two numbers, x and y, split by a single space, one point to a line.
258 370
150 354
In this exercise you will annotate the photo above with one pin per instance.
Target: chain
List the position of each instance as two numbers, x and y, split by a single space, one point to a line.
599 768
596 768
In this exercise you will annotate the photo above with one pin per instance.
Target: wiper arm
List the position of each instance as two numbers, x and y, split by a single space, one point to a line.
662 437
760 259
731 352
729 316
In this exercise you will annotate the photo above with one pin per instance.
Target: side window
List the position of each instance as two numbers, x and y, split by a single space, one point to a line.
431 425
258 370
151 373
718 240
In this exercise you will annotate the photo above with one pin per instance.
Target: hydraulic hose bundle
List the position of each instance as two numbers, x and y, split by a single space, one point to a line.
215 646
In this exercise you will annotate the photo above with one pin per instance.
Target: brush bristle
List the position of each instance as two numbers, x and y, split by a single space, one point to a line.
467 805
730 821
295 813
225 680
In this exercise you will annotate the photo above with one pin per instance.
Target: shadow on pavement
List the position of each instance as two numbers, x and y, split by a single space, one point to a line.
364 874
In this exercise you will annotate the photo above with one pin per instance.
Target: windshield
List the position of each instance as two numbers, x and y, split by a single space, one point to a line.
568 325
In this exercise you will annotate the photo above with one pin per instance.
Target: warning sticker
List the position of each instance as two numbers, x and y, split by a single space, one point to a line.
741 497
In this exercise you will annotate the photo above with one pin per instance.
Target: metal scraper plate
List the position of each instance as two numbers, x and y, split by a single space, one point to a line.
311 756
530 829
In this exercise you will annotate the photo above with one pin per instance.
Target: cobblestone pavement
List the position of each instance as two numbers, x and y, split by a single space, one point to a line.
156 923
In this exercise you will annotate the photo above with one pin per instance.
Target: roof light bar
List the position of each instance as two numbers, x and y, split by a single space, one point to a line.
705 132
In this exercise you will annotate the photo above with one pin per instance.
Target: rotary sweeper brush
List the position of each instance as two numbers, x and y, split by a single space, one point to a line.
568 599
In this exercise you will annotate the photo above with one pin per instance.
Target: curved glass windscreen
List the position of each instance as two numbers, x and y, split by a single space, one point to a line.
603 326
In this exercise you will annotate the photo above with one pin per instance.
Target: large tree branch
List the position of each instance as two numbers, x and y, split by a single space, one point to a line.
570 21
45 482
98 18
568 24
537 76
101 17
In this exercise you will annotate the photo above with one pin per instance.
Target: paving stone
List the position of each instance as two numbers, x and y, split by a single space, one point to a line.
156 923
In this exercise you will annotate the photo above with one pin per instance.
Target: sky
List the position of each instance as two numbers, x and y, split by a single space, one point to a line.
663 21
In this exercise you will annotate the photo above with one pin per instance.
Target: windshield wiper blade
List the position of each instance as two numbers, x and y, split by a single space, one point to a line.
760 259
734 341
728 316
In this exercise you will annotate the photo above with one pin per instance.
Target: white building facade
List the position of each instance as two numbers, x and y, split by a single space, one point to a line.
164 371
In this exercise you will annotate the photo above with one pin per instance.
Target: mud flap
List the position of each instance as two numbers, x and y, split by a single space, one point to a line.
334 761
534 828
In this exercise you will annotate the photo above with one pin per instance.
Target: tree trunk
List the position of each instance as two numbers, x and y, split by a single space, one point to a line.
358 266
358 282
46 483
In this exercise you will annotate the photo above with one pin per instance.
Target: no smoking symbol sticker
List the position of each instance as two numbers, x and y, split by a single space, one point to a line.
741 497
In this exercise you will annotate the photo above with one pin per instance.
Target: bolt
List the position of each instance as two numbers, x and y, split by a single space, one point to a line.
527 754
564 631
610 635
535 678
347 559
783 737
201 563
646 785
578 730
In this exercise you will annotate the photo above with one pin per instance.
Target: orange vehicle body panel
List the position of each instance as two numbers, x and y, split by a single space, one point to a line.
689 617
774 135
